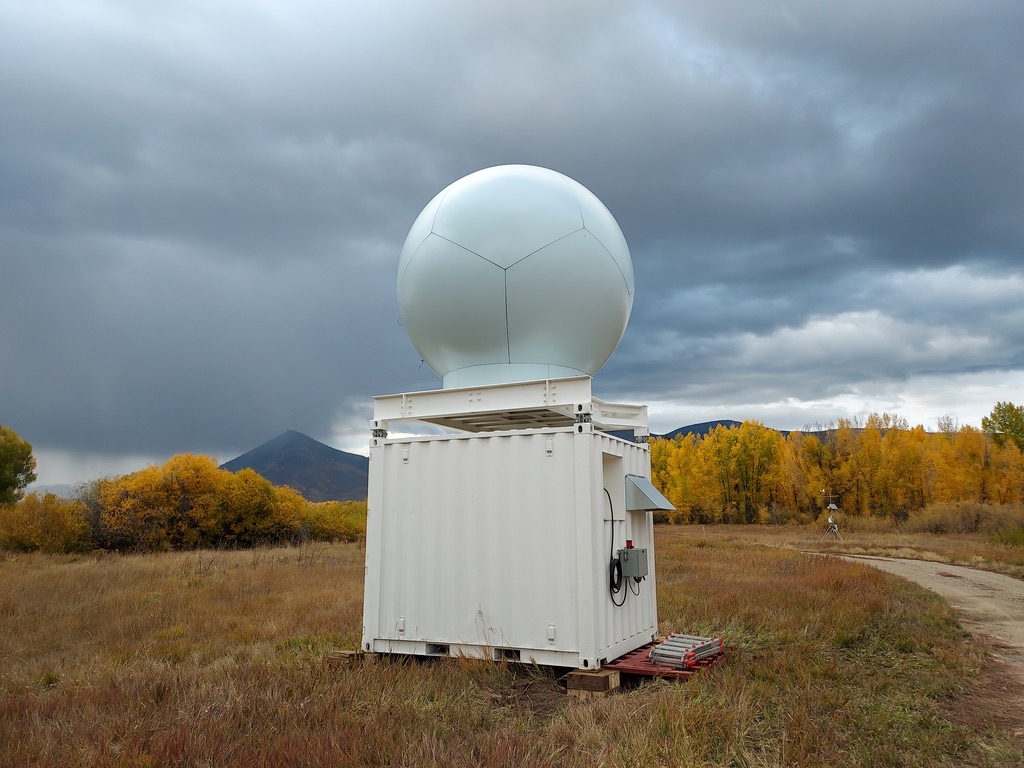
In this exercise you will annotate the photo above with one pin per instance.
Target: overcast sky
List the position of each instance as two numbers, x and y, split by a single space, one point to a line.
202 206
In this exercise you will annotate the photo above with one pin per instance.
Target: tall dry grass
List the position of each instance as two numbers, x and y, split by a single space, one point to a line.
218 658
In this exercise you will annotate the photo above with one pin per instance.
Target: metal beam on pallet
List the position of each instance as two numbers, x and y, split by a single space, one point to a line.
640 662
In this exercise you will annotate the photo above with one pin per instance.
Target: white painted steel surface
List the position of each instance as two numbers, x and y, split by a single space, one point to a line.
641 494
540 403
483 542
515 273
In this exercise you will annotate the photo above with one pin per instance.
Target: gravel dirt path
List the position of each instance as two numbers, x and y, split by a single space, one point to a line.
990 606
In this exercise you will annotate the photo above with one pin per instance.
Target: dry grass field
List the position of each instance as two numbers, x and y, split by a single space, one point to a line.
976 550
219 659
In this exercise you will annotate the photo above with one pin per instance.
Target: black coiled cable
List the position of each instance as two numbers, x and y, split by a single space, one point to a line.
614 566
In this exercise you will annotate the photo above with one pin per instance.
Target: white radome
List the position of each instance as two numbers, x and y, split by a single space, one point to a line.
515 273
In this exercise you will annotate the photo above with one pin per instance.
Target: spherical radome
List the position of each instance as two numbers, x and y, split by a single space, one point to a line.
515 273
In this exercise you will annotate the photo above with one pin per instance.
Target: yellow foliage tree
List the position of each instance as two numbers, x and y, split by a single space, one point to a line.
675 470
335 520
1005 483
48 523
886 468
193 486
661 450
755 464
815 469
965 466
254 511
190 502
721 499
135 511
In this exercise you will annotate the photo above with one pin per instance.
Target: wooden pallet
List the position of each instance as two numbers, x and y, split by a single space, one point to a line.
340 659
592 683
637 663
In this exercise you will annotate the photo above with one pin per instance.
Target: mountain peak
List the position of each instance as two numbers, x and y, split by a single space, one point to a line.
701 429
317 471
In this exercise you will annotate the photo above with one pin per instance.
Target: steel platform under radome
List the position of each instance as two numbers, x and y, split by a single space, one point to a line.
495 540
523 405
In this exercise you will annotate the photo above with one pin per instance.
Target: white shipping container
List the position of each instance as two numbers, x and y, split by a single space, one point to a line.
498 544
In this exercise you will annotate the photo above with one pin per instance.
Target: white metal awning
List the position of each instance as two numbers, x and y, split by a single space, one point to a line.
641 495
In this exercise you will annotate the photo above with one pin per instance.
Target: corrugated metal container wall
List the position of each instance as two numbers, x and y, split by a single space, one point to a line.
620 629
503 540
475 529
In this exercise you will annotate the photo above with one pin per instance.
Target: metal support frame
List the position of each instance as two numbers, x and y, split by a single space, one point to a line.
832 530
522 405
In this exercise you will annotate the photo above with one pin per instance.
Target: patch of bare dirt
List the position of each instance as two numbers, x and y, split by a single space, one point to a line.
995 702
541 696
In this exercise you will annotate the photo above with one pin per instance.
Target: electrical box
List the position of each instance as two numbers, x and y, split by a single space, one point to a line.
633 562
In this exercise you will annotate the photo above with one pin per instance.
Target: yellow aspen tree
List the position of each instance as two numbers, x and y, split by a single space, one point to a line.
1005 482
968 474
794 475
686 478
870 461
253 511
901 477
289 509
816 462
754 466
918 437
844 478
193 487
661 449
336 520
940 461
135 511
47 523
720 498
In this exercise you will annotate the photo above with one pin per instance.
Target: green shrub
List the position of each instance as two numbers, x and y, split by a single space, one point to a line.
1012 537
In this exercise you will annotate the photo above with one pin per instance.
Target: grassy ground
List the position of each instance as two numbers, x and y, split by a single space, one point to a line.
977 550
219 659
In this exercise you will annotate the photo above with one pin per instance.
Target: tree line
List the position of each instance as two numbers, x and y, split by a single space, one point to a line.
187 503
741 474
882 467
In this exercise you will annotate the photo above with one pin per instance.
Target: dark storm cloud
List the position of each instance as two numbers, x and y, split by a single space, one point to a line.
201 206
156 346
